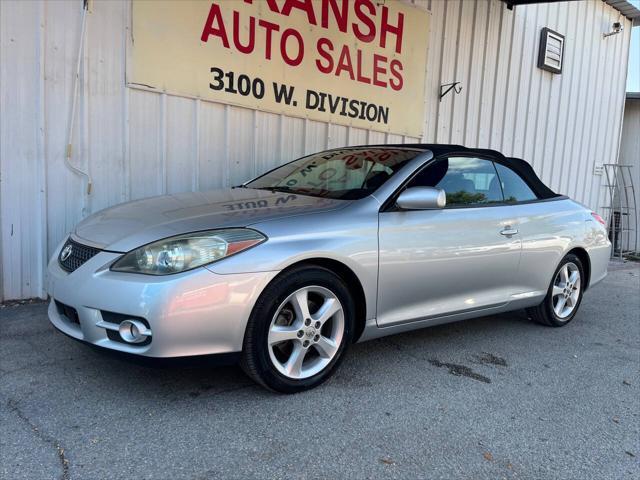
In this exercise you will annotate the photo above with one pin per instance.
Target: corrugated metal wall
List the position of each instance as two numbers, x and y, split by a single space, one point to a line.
630 155
137 143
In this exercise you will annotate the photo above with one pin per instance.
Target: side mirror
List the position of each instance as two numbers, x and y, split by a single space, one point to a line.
422 198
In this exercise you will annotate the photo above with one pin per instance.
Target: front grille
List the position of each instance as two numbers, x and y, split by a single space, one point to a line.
69 312
75 254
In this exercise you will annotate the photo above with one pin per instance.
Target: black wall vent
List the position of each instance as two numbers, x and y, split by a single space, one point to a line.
551 51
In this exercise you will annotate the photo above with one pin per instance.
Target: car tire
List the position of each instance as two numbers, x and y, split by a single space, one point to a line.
289 349
563 298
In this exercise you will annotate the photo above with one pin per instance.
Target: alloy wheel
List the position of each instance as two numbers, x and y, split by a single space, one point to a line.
306 332
566 290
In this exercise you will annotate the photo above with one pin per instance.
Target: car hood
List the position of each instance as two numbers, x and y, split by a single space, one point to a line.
129 225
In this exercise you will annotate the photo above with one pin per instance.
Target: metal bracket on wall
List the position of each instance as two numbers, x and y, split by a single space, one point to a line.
455 86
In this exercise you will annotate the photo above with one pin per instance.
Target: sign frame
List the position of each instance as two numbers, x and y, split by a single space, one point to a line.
414 129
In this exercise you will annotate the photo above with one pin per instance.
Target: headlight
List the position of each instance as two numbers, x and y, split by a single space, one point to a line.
184 252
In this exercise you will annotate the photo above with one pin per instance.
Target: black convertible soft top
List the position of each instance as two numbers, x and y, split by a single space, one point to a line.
521 167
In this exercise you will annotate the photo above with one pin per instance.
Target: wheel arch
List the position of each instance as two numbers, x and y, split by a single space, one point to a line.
583 255
351 280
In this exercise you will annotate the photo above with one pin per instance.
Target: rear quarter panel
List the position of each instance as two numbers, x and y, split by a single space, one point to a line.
549 230
598 247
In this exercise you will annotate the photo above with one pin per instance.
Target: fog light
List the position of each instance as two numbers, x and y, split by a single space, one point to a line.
133 331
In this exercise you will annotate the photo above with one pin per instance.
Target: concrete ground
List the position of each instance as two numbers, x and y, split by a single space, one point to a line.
497 397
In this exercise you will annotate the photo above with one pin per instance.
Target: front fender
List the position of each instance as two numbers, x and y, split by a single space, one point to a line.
349 239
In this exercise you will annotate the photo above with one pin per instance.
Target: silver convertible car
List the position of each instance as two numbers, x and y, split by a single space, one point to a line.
284 272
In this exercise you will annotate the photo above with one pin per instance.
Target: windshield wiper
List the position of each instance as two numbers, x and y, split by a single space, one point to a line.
279 189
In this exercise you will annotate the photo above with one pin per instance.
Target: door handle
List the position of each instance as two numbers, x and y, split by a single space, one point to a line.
508 231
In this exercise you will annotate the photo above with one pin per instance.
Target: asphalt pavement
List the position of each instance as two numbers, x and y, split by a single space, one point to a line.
491 398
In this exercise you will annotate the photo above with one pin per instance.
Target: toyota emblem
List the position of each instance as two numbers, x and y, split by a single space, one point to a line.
66 253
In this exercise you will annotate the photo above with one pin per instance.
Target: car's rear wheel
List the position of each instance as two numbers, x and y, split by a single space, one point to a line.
298 330
564 295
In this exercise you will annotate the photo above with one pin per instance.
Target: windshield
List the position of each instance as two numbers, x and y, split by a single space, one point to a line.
345 174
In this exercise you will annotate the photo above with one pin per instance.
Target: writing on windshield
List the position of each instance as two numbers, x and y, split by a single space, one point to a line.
349 173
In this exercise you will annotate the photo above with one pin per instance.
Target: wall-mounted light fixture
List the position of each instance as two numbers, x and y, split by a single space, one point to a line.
615 29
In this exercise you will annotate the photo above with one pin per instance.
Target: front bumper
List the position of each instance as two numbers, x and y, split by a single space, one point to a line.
189 314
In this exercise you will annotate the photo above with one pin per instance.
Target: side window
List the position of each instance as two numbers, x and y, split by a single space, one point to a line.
466 180
514 187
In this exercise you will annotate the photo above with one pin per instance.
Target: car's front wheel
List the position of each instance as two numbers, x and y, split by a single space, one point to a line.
298 330
564 295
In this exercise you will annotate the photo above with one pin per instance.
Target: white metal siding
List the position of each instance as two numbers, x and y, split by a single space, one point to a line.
630 155
137 143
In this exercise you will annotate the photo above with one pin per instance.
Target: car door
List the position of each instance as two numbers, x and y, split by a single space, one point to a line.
546 228
460 258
